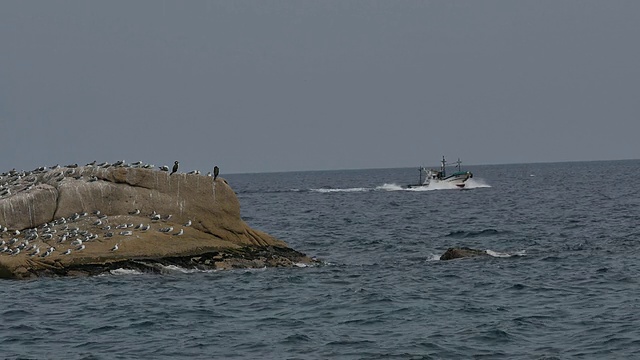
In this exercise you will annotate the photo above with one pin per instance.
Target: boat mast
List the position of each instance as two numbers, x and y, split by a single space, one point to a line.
442 167
459 163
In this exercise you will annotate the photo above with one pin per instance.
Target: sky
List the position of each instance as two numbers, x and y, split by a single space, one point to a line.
267 86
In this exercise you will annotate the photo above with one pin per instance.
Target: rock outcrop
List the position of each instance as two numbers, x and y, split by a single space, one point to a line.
462 252
91 219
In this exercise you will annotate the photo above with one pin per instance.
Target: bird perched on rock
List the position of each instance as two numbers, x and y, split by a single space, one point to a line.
216 171
175 167
164 168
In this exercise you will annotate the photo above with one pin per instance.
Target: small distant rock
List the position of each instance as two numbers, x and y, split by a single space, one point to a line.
462 252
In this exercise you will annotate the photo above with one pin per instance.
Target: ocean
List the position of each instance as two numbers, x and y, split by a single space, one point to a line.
561 281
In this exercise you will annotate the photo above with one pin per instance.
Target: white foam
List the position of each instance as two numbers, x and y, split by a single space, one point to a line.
474 183
433 257
301 265
390 187
177 269
121 271
505 255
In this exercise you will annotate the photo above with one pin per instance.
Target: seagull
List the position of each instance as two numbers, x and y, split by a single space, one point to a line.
97 223
76 242
164 168
167 229
81 247
216 171
15 252
67 252
145 228
36 252
179 232
175 167
166 218
188 223
126 233
134 212
115 247
155 217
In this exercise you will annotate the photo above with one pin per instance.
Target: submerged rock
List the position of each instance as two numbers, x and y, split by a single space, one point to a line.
93 219
463 252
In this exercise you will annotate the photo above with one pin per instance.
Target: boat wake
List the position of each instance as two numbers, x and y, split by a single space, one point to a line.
330 190
469 184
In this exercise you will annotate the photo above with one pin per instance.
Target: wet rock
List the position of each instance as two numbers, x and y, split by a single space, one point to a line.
71 219
462 252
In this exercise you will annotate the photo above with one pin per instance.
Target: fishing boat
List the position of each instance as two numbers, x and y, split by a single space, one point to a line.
434 177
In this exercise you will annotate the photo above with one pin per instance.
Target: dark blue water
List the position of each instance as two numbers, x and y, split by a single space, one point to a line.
563 281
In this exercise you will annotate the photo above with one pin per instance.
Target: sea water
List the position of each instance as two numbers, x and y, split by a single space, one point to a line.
560 281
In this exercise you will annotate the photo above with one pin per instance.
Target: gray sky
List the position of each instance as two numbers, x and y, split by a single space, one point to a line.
260 86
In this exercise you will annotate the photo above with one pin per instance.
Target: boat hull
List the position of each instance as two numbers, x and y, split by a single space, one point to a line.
458 179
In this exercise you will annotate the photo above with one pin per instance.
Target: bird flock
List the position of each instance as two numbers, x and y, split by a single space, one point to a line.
13 181
76 232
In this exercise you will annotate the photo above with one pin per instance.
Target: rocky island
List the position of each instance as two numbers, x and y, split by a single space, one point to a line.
92 219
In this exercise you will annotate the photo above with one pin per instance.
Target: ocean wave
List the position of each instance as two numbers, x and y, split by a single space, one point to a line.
472 234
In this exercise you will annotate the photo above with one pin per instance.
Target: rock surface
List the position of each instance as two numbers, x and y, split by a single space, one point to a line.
154 218
463 252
